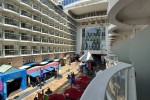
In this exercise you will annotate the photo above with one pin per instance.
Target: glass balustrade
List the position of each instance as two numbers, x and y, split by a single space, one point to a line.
36 51
37 18
36 7
35 39
11 7
25 25
25 51
25 13
12 36
44 51
28 2
26 38
1 35
11 21
35 28
45 40
117 86
9 52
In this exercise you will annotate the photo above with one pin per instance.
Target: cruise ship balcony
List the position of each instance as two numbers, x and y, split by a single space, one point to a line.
25 37
27 2
11 52
11 7
36 39
25 51
11 21
26 13
12 36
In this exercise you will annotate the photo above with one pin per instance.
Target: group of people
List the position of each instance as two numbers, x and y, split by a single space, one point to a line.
86 69
71 78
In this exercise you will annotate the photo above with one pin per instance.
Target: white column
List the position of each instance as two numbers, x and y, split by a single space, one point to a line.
79 40
106 38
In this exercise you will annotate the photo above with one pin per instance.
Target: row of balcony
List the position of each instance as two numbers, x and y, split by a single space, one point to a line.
48 4
27 25
25 37
38 8
21 24
35 7
101 13
11 52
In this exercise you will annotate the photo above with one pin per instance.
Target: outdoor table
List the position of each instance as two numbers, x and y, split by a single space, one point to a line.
56 97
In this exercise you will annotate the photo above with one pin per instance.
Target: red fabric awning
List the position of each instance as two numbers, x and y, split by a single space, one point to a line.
81 84
56 97
84 78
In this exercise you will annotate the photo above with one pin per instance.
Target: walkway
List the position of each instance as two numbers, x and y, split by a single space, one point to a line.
52 83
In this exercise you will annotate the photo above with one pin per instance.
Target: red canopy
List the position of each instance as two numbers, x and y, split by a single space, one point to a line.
73 93
84 78
56 97
81 84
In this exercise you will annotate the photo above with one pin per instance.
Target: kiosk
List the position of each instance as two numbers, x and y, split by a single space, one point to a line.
11 79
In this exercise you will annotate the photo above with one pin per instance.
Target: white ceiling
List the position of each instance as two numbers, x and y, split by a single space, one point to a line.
99 6
136 12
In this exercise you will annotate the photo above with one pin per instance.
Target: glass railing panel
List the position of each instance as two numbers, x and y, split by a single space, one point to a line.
35 28
36 7
36 51
45 40
27 2
11 7
12 36
25 25
36 39
44 51
44 31
117 86
9 52
1 18
36 18
1 35
25 13
11 21
25 51
26 38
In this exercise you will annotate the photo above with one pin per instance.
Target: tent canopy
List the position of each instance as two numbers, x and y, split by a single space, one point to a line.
87 57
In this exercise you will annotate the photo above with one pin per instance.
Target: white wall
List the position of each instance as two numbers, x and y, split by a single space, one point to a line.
79 40
137 51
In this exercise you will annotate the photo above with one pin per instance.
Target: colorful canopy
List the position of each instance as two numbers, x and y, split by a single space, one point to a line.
28 65
87 57
46 61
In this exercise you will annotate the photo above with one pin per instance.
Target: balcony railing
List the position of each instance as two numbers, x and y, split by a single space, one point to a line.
27 2
12 36
36 51
45 40
1 18
26 38
36 7
35 28
11 7
25 13
35 39
1 35
11 21
44 51
36 18
9 52
1 52
25 51
25 25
